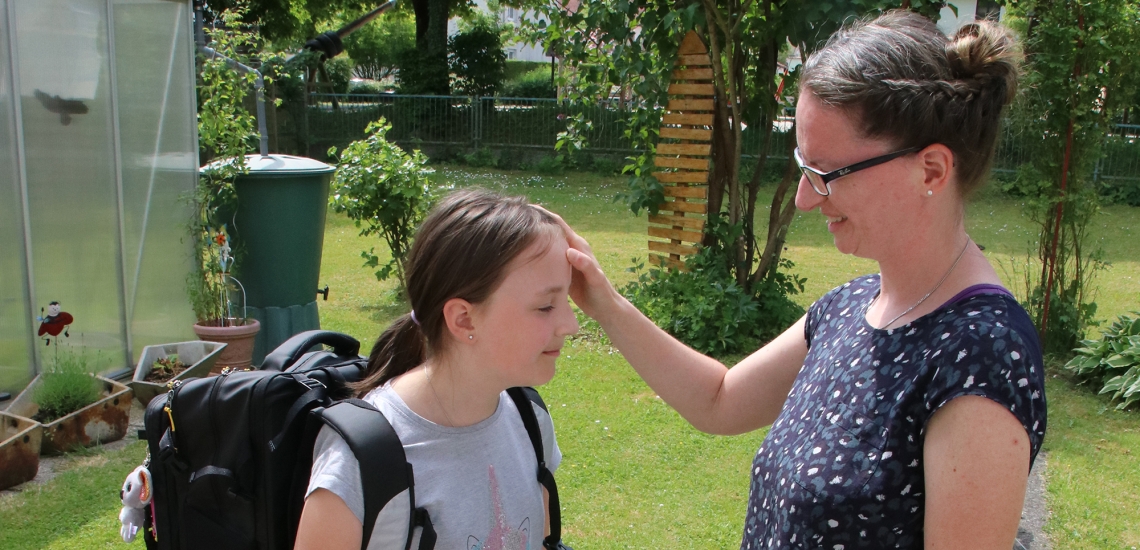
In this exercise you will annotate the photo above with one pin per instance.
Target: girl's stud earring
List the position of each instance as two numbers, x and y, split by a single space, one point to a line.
470 336
929 193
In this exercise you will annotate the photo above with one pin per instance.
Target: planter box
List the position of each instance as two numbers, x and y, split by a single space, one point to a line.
103 421
20 440
199 355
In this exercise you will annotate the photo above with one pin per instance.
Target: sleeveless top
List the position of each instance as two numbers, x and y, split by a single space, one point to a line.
842 466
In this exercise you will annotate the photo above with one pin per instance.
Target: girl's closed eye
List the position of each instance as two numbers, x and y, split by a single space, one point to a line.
546 309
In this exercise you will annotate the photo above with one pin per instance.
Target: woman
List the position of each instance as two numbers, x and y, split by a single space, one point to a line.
906 406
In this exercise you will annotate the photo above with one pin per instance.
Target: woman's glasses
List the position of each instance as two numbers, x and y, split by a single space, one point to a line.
821 181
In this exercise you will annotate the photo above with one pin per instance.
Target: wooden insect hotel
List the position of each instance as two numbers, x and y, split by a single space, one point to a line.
683 157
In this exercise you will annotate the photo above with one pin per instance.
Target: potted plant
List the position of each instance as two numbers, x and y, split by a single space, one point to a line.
162 364
76 407
19 449
209 287
226 130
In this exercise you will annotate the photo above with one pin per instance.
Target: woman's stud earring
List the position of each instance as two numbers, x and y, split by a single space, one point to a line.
470 336
929 193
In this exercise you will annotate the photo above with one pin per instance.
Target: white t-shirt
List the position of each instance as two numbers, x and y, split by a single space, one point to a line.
478 483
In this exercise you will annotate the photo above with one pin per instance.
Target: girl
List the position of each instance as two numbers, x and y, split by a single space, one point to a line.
487 280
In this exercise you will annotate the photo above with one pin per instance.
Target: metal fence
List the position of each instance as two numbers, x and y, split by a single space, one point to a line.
470 123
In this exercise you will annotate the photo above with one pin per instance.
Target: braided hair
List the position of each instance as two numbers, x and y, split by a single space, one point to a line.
904 81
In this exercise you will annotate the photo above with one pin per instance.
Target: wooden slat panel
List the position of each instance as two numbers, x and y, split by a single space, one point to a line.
692 44
690 105
682 177
702 149
687 133
691 89
678 234
691 60
689 207
693 74
670 248
690 120
674 162
666 262
678 221
698 192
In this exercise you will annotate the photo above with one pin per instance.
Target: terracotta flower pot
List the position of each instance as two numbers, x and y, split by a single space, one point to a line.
103 421
199 357
238 353
20 440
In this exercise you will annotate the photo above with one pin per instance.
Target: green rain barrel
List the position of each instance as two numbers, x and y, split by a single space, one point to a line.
278 233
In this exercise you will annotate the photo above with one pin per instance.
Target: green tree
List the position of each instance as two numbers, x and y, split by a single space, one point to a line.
377 47
477 59
1082 71
289 21
633 44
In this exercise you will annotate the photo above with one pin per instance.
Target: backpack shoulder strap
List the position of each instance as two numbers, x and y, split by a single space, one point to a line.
523 397
382 460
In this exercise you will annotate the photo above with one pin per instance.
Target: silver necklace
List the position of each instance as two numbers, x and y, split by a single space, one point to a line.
932 291
450 422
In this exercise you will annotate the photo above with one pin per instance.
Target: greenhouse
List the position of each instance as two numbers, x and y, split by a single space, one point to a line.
97 149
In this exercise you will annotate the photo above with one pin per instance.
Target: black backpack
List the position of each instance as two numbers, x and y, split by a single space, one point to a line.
230 455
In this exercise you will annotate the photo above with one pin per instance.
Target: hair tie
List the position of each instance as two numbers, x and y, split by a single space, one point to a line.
414 320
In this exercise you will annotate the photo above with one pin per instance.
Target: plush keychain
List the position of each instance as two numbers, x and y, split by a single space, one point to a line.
136 494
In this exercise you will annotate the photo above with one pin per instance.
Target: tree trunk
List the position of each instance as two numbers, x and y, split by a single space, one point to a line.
753 189
780 216
420 7
718 167
766 68
431 44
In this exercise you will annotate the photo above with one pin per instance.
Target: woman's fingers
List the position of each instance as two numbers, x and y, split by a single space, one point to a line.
574 239
589 287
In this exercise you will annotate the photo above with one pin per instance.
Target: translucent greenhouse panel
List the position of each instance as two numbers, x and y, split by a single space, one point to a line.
69 143
154 72
15 320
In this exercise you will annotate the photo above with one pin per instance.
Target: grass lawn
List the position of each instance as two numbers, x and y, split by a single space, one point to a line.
634 474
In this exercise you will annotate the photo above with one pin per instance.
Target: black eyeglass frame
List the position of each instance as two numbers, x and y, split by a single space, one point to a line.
827 177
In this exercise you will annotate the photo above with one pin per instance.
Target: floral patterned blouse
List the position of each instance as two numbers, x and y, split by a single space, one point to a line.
842 466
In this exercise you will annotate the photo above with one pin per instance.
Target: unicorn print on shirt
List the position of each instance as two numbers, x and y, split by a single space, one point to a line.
501 536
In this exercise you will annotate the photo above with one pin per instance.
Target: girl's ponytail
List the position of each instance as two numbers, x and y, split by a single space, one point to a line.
398 350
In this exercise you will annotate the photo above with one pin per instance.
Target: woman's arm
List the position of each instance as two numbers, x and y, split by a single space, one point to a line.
710 396
976 456
327 523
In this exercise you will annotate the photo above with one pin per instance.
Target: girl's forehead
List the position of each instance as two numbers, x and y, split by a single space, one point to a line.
542 265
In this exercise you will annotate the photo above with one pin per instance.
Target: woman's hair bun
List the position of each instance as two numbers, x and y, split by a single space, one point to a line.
986 52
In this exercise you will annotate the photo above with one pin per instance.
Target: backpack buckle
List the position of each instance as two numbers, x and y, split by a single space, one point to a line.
310 383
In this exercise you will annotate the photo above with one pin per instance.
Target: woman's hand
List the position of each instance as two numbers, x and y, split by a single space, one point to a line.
589 287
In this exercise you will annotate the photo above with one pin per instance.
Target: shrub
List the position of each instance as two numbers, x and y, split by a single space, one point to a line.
516 68
480 158
339 70
423 73
65 387
535 83
707 309
1113 361
370 87
477 60
385 191
550 166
